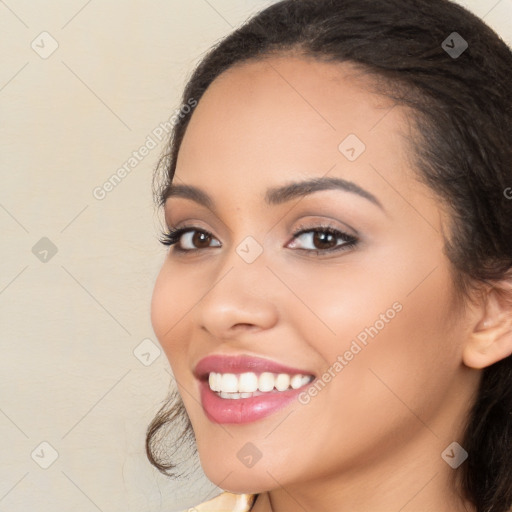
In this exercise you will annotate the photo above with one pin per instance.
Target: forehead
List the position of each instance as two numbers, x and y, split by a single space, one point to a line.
287 117
326 95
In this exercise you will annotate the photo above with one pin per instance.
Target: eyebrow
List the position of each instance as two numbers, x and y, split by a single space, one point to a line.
277 195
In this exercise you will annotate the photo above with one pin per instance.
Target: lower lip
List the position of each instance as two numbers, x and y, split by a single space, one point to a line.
243 410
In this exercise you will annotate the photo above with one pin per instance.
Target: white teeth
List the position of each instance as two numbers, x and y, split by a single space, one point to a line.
266 382
235 395
282 382
212 381
296 381
230 385
247 382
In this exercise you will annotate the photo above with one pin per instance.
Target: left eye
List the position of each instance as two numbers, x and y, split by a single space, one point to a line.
322 239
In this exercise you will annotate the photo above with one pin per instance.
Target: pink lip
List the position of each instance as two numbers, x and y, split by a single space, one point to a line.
243 410
240 364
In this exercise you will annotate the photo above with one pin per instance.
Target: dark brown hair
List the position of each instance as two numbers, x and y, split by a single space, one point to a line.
461 111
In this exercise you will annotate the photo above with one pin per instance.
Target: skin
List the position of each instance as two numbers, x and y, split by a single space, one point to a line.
372 439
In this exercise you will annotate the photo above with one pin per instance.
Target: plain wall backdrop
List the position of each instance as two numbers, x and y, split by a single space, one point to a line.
84 85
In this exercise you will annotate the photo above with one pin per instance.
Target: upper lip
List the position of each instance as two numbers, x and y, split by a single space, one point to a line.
221 363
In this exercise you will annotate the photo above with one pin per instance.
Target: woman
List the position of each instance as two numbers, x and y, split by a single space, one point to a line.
336 303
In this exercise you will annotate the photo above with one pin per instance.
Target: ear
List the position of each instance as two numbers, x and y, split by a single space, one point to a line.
490 339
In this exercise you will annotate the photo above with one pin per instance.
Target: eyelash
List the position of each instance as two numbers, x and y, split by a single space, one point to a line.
173 236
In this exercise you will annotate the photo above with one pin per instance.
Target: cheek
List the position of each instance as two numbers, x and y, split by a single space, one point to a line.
394 374
160 306
171 302
393 329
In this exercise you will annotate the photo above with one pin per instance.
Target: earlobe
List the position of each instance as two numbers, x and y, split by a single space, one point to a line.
491 338
487 349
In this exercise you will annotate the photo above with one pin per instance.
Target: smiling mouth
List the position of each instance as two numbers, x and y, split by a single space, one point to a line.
250 384
243 388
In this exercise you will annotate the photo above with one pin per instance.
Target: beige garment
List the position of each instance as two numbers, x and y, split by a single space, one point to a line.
226 502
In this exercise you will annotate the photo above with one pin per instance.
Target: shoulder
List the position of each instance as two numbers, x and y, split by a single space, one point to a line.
226 502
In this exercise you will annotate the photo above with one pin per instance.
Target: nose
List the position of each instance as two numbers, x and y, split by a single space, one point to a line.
243 297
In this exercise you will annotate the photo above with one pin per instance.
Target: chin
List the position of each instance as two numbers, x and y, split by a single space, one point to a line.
238 479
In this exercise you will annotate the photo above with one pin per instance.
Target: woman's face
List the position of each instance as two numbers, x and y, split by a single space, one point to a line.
374 321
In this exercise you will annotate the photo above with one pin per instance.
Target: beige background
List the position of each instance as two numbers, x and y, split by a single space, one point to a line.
72 323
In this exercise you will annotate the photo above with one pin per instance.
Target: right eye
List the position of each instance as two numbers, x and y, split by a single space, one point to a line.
190 235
